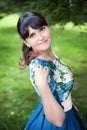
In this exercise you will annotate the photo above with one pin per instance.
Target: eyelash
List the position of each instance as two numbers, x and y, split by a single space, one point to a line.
42 28
31 35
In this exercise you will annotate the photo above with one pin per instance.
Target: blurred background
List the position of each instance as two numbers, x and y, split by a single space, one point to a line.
68 22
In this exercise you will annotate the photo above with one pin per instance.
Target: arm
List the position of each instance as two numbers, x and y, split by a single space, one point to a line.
53 111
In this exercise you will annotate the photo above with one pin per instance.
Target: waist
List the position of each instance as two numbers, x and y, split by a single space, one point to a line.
67 104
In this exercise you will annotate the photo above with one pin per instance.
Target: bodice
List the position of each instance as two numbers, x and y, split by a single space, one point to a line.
60 78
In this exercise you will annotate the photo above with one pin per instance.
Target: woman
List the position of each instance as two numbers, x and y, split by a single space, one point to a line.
51 78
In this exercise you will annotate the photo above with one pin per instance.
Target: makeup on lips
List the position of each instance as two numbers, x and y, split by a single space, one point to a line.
43 42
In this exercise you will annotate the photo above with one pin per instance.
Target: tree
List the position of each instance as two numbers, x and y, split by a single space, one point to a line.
54 10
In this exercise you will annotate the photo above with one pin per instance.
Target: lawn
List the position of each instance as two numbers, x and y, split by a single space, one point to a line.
17 96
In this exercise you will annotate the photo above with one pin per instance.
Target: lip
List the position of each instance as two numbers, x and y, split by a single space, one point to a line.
43 42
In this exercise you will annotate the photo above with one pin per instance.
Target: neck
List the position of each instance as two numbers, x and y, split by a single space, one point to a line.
48 55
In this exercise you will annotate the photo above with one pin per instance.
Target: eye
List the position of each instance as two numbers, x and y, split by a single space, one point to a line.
42 28
31 35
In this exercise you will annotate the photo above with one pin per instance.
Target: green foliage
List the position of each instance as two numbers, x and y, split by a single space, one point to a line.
54 10
17 96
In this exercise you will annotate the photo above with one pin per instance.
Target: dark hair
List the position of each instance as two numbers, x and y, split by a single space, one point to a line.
35 21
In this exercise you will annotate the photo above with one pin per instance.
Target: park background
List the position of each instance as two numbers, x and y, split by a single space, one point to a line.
68 22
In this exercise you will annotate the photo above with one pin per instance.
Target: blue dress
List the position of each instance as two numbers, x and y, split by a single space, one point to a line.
60 80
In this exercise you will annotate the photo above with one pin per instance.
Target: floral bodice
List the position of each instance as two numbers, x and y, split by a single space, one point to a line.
60 78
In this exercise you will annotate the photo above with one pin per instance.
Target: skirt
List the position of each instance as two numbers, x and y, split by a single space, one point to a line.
38 120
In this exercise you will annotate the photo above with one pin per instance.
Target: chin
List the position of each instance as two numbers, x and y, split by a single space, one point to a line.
45 48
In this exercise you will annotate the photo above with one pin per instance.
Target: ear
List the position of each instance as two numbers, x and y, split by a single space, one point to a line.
25 42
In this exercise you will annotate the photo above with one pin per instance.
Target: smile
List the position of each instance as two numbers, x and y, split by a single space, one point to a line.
43 42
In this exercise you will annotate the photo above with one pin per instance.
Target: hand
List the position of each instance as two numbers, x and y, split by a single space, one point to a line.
41 77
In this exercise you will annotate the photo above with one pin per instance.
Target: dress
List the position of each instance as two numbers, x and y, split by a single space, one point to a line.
60 80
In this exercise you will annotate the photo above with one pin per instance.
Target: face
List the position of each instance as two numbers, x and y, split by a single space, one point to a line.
39 39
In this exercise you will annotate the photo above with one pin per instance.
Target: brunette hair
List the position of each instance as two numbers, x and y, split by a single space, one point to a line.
35 21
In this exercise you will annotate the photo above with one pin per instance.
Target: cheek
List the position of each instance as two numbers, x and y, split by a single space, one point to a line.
50 36
33 43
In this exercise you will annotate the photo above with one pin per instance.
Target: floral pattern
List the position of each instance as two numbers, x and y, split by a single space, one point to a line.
60 78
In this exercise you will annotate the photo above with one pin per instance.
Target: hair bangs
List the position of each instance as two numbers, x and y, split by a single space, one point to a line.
36 22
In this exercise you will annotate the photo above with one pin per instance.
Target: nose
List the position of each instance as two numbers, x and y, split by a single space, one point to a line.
40 37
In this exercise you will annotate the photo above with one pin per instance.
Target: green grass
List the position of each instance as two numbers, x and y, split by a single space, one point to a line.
17 96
